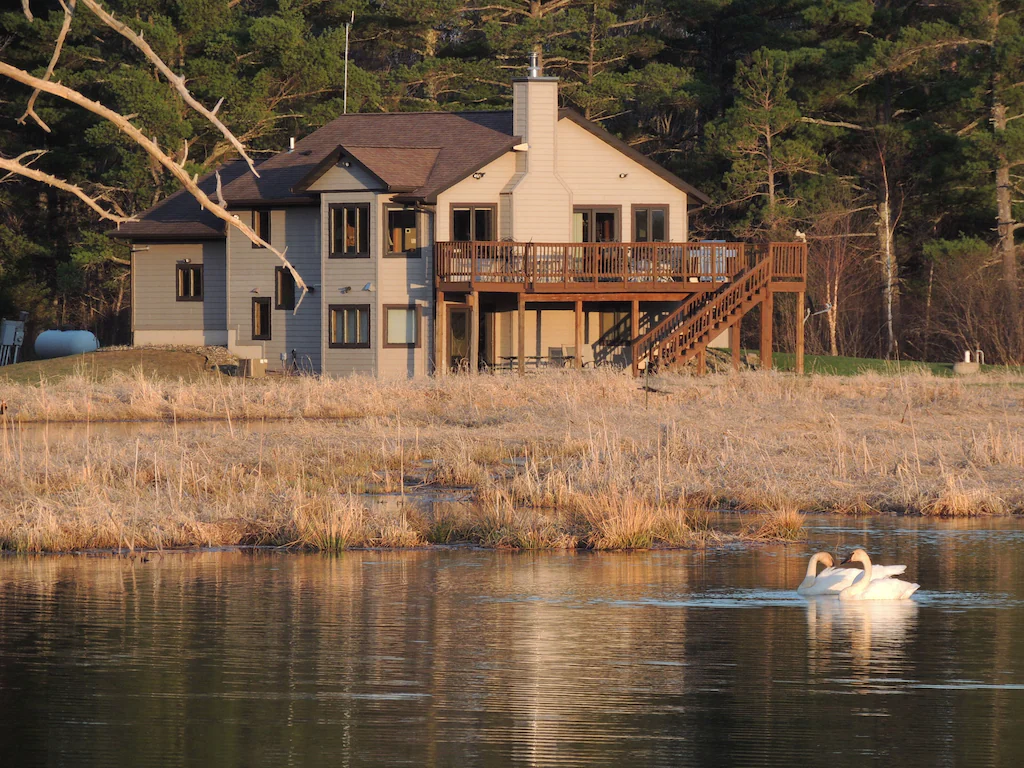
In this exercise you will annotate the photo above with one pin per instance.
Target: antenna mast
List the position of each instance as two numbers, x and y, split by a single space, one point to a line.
344 101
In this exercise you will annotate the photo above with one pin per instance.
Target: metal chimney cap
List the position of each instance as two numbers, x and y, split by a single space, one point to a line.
534 65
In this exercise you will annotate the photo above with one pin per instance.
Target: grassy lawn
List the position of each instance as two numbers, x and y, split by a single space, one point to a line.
851 366
159 363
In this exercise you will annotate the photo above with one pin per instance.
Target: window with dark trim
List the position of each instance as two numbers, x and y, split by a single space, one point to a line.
348 326
350 230
189 279
473 222
261 318
596 225
402 325
650 224
401 236
284 288
261 226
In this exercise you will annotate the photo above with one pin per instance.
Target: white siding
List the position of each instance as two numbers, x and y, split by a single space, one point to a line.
592 170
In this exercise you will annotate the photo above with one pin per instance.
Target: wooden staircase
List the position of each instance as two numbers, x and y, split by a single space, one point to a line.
700 319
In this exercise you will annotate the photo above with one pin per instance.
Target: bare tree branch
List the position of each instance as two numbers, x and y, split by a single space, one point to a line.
27 10
158 155
69 13
15 166
833 123
174 79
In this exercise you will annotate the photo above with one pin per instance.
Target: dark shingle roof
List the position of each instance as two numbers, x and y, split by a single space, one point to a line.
463 142
415 154
179 216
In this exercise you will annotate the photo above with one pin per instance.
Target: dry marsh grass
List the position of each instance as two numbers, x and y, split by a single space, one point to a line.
556 460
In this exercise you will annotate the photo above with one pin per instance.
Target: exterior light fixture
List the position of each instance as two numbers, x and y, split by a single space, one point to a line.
368 287
623 175
255 290
478 175
345 289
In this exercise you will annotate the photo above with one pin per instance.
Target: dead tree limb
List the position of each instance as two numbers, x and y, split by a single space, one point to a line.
172 77
15 166
69 12
154 151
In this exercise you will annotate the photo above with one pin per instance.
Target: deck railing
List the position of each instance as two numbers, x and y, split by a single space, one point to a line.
579 264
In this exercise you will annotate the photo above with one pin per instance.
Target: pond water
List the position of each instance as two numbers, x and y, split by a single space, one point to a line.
474 658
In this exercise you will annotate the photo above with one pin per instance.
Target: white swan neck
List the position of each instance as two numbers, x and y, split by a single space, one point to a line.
861 585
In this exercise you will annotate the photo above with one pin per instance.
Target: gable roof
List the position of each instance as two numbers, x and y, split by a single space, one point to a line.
462 141
639 157
416 155
179 216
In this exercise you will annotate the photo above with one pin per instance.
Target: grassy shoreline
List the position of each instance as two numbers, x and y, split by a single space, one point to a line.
557 460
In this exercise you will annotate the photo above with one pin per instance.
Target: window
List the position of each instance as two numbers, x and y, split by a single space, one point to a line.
350 230
261 319
403 232
595 225
284 288
401 325
349 326
261 226
190 282
650 224
473 222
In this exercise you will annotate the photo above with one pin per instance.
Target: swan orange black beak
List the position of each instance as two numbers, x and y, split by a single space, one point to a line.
847 561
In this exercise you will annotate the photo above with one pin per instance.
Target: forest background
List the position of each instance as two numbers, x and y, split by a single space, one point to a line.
889 134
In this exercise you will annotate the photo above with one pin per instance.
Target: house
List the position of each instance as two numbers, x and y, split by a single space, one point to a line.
434 241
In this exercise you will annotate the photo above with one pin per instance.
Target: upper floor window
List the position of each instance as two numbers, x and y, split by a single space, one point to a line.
261 226
650 224
403 237
473 222
190 282
350 230
595 225
284 288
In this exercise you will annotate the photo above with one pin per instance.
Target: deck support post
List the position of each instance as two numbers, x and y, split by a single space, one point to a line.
440 318
474 331
767 313
734 343
702 362
578 360
521 340
634 333
800 296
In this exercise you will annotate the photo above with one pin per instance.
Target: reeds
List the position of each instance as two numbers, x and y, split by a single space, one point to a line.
561 460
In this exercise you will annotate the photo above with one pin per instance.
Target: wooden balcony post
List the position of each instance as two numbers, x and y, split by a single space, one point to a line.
578 361
472 265
734 342
702 361
440 320
474 331
767 307
800 332
521 341
565 265
634 333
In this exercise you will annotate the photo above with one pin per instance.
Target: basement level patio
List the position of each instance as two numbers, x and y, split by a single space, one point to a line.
677 298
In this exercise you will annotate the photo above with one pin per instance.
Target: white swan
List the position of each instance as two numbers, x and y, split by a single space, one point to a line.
832 581
868 588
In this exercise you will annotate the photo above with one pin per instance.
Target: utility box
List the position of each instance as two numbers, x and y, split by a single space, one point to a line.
12 336
253 368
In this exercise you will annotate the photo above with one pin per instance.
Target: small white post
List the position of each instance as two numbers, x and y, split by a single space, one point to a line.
967 355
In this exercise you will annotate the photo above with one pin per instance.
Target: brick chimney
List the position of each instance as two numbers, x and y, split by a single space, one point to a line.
540 202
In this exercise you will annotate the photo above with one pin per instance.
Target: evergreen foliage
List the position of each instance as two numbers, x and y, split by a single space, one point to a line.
891 133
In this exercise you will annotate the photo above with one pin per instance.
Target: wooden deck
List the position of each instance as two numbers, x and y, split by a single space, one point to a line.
612 268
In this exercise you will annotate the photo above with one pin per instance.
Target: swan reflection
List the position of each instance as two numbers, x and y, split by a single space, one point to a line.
862 640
